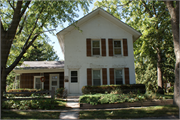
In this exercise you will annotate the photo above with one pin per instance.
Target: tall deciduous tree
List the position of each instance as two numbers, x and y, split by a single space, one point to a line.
173 7
26 21
152 19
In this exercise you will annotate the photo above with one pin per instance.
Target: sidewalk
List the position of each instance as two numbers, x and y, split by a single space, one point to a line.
72 102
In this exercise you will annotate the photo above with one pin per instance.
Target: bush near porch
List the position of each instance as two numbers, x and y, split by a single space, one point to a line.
134 88
23 90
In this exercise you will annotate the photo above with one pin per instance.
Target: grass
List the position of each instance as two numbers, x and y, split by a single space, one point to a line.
29 115
130 113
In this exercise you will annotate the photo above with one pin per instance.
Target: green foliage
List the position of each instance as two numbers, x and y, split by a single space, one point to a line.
30 104
117 89
120 98
61 93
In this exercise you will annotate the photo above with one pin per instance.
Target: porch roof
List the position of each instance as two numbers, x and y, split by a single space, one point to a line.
41 65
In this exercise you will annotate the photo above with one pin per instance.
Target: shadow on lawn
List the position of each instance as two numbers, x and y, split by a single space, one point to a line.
29 115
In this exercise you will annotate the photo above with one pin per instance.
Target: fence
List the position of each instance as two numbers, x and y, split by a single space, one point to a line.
51 92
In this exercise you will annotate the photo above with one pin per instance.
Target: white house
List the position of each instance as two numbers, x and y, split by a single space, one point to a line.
99 52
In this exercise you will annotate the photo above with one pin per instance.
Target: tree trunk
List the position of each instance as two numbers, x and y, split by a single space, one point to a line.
174 12
159 71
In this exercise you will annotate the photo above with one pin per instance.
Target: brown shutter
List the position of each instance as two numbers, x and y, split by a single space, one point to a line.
125 47
110 42
89 77
103 46
126 74
104 76
88 46
111 73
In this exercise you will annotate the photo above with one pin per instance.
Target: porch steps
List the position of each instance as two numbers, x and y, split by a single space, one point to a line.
73 101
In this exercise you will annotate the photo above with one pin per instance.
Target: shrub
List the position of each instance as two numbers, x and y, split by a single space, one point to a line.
29 104
116 89
24 90
61 93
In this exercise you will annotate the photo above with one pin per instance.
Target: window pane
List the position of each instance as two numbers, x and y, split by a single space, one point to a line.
38 84
73 73
96 74
96 82
38 81
96 43
117 51
117 43
119 81
96 51
118 73
54 83
74 79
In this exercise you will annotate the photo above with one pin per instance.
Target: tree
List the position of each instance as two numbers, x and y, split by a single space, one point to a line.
153 20
26 21
173 8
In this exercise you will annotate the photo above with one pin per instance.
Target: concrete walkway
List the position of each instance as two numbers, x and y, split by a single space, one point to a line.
72 102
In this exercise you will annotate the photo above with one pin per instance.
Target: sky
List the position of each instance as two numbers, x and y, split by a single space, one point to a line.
53 39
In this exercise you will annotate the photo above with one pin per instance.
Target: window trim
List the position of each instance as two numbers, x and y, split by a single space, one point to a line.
122 75
121 40
35 81
93 47
100 76
74 76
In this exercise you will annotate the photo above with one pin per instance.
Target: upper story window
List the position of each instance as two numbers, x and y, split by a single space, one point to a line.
117 47
95 47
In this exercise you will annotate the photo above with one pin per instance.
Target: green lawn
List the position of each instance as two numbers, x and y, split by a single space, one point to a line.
130 113
29 115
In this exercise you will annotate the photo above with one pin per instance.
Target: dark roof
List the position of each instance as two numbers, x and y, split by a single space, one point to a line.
41 65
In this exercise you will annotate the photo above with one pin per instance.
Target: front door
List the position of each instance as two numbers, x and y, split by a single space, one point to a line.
54 81
74 86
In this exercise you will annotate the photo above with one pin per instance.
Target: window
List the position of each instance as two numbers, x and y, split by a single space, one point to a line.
96 78
37 83
95 47
74 76
117 47
118 77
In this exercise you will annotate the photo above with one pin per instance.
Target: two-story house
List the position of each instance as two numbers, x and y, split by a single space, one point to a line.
98 50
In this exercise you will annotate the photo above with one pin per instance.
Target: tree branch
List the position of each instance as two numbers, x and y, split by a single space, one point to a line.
25 7
33 28
13 65
11 5
2 28
21 26
124 4
147 9
15 20
154 10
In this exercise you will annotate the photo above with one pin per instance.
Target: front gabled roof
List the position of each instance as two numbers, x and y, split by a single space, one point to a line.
105 14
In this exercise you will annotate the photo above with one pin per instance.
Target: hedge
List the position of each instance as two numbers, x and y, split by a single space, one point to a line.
134 88
24 90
